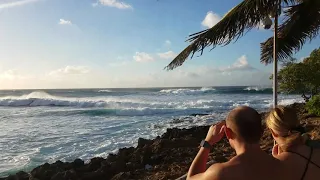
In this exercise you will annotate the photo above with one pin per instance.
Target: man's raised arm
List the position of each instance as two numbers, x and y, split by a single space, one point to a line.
198 169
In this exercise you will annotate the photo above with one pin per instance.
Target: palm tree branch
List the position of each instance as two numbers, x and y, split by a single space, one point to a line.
245 16
302 24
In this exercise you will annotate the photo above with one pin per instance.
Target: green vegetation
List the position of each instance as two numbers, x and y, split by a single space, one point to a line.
302 77
313 106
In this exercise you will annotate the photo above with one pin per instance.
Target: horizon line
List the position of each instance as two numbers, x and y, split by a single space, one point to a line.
155 87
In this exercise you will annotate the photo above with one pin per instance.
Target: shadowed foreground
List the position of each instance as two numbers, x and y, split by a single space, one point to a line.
166 157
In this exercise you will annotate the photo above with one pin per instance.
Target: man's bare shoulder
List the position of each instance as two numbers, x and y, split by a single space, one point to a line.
223 170
215 171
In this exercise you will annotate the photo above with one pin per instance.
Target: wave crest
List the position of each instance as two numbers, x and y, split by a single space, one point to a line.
41 98
187 91
104 90
255 89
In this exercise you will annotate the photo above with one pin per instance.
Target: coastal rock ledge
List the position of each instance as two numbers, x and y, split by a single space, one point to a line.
165 157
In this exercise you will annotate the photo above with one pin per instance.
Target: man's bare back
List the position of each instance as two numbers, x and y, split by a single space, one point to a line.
248 166
243 130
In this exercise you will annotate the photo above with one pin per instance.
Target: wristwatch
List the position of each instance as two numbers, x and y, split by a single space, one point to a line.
205 144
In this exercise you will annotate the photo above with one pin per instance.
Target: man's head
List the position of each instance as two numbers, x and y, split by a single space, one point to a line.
244 126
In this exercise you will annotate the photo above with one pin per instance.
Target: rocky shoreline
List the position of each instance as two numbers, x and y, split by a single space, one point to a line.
165 157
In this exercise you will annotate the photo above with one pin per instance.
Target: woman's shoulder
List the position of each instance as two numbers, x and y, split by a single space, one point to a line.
301 153
294 155
283 156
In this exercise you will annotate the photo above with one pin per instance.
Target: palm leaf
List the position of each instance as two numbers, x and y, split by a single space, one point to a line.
243 17
302 24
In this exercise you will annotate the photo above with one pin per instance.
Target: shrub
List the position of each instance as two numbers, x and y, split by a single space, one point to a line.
303 77
313 106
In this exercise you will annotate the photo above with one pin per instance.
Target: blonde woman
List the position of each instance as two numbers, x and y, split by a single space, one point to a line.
303 161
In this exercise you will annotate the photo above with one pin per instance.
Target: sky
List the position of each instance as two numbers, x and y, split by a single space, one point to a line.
122 43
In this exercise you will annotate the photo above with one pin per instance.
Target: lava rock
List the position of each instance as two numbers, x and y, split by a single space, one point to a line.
78 163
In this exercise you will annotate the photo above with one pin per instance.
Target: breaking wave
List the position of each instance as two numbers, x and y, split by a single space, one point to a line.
133 106
218 90
106 105
188 91
41 98
256 89
104 91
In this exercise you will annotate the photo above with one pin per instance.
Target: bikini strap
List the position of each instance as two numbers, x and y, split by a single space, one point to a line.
308 161
305 157
307 165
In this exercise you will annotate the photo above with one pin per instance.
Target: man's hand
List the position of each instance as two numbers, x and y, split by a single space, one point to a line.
216 133
198 167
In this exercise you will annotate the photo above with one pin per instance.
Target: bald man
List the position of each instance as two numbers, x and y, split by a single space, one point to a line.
243 130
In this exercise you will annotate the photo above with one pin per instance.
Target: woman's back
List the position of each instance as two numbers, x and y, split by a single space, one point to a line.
303 162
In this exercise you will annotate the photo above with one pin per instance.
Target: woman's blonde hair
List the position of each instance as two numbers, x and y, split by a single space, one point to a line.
284 122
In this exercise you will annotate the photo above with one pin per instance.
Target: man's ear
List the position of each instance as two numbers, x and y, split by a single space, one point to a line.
229 133
273 133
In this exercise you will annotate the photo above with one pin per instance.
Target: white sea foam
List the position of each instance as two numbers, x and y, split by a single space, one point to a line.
207 89
240 104
284 102
290 101
255 88
104 90
40 98
126 106
89 125
187 91
111 105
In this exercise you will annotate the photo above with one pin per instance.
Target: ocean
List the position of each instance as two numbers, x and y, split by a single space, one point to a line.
39 126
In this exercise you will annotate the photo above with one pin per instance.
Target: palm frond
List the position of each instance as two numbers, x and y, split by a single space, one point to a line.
243 17
302 24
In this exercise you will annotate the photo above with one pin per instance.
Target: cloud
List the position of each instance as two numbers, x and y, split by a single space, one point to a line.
70 70
65 22
204 76
211 19
302 58
167 42
9 74
260 26
167 55
13 75
16 3
143 57
113 3
240 65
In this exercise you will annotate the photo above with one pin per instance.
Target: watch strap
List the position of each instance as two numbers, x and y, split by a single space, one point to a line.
205 144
